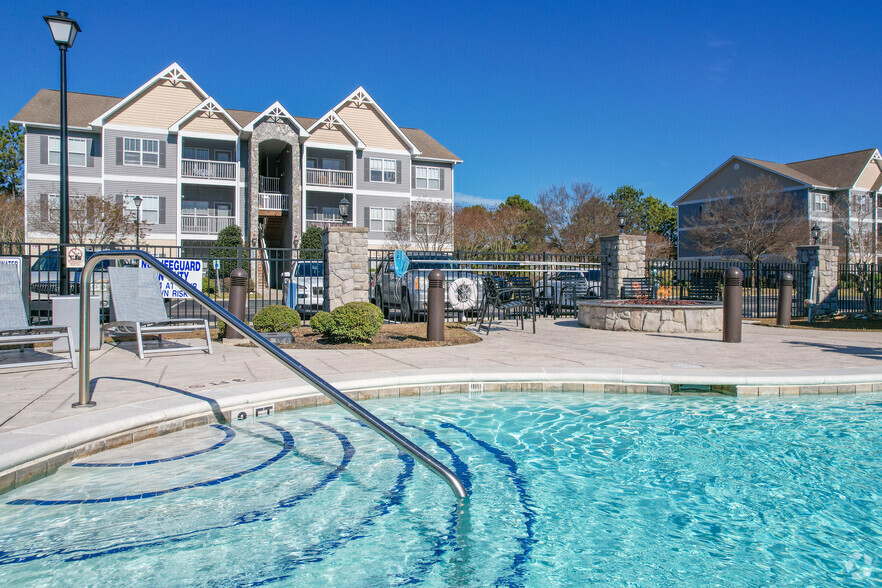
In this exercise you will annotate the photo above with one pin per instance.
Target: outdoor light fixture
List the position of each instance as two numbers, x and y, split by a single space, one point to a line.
64 31
345 209
622 219
138 200
816 234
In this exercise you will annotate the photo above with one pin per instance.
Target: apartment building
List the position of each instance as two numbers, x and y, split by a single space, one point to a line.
838 193
199 167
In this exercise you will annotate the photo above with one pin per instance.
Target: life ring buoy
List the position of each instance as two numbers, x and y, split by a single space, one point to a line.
462 294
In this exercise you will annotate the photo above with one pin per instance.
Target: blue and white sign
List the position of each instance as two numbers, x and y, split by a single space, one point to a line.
16 261
189 269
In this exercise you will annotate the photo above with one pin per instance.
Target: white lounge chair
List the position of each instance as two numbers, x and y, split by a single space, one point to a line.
138 305
15 329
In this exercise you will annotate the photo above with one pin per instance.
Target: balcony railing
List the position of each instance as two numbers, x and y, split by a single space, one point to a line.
273 201
208 170
269 184
323 223
205 224
333 178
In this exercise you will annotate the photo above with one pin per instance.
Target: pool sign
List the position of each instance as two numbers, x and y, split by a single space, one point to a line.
189 269
16 261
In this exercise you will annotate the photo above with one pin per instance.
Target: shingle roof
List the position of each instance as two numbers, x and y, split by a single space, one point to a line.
836 171
82 109
787 171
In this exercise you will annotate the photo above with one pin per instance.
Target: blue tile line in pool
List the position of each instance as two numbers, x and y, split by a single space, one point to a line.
529 514
245 518
287 438
230 434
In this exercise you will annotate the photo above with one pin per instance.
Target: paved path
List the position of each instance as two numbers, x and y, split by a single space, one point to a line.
560 349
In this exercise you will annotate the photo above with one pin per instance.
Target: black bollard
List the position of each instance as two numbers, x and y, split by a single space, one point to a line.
733 300
238 298
785 300
435 328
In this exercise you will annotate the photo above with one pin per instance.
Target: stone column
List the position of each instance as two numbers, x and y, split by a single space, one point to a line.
623 257
346 266
823 261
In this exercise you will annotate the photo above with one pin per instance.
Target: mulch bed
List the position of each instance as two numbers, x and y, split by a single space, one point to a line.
391 336
839 322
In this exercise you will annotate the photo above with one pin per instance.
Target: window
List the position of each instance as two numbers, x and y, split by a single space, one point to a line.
195 207
328 163
74 202
383 170
195 153
383 219
223 209
427 225
311 162
822 202
144 152
76 151
223 155
149 208
428 178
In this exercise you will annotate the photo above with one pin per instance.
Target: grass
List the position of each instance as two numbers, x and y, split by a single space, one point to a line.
839 322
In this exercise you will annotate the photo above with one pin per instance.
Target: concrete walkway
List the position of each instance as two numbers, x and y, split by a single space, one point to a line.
559 347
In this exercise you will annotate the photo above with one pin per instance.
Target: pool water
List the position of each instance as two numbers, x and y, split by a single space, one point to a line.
566 489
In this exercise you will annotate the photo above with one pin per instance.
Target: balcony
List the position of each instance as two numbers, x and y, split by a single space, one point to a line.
208 170
204 224
272 201
323 223
331 178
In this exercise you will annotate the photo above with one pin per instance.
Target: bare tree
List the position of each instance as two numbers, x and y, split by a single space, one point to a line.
471 227
11 218
577 217
659 247
855 222
423 225
758 219
93 219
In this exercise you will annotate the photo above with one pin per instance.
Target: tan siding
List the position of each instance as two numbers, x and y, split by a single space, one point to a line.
161 106
869 177
370 128
336 137
728 179
203 124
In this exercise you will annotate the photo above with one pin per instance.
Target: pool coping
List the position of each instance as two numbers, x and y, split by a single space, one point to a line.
38 450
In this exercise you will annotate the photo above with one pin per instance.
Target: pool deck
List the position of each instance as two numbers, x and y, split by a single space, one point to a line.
36 418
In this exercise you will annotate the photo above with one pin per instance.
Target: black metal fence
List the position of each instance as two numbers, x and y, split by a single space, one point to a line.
404 298
270 273
860 287
673 279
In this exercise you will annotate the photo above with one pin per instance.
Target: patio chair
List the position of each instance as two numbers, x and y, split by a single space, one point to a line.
501 296
15 329
568 296
138 306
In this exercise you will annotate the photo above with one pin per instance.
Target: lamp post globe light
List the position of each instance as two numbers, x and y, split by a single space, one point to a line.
816 234
137 200
345 209
64 30
622 219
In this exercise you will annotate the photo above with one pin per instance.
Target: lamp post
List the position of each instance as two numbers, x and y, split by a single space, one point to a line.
345 209
622 219
816 234
64 31
138 200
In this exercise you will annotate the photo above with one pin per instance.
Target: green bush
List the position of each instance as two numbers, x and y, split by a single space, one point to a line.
207 285
356 321
275 319
228 248
221 330
311 243
322 323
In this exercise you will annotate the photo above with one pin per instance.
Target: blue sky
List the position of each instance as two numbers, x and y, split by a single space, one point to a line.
528 94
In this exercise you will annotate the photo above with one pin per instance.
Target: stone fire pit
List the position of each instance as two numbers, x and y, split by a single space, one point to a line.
652 316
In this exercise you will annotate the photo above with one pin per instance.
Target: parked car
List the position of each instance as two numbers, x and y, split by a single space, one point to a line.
45 283
309 277
410 292
550 289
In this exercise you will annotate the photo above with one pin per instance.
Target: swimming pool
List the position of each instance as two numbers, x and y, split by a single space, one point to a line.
566 489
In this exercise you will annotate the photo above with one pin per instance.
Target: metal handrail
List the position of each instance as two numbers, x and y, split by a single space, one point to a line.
318 383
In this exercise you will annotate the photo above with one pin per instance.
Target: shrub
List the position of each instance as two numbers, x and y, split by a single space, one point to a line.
227 249
311 243
322 323
356 321
207 285
221 329
275 319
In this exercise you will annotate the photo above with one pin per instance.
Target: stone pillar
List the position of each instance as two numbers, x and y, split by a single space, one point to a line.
346 266
823 261
622 257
